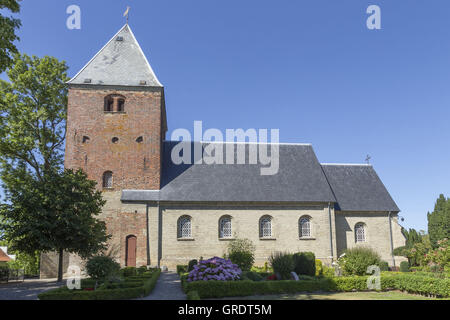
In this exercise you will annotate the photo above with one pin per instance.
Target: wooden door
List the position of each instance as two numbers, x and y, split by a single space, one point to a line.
131 251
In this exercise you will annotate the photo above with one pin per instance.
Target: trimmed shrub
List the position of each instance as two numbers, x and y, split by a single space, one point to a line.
191 265
141 270
128 271
405 282
128 290
182 269
282 264
404 266
193 295
328 272
384 266
357 260
250 275
100 268
242 253
305 263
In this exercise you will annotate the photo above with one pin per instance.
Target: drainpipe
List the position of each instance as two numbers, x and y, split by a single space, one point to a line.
390 236
331 231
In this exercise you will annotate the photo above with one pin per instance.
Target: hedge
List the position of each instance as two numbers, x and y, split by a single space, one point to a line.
137 286
407 282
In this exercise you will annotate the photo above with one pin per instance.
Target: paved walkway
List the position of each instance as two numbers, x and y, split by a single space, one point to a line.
27 290
168 287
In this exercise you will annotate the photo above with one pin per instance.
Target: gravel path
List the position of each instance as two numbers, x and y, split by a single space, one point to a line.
168 287
27 290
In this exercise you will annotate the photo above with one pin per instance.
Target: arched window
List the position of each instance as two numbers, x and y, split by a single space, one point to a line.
225 227
265 227
108 179
360 232
184 227
304 227
114 103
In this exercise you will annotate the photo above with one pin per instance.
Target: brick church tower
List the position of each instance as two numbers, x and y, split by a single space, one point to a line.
116 118
116 125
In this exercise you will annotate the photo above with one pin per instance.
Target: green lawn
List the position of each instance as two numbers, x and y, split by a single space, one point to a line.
389 295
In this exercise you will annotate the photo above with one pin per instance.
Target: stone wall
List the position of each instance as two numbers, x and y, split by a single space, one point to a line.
376 231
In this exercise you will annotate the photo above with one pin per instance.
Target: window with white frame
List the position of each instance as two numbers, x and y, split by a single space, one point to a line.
265 227
225 227
184 227
360 232
304 226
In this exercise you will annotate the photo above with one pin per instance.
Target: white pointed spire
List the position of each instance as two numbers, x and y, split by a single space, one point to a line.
120 62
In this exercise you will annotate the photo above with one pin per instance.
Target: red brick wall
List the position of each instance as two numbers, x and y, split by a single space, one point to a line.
134 165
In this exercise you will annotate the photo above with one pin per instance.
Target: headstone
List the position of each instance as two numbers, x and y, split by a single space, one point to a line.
294 276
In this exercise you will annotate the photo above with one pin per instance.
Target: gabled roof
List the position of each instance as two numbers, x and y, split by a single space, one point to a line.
357 187
4 257
120 62
299 179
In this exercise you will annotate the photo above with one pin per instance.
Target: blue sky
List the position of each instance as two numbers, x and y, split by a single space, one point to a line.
310 68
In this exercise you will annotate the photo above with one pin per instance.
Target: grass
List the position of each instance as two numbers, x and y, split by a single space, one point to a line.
387 295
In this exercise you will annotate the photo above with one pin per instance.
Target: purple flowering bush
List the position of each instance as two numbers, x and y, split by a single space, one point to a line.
215 269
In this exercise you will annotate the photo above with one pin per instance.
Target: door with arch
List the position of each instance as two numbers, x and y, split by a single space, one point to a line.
130 253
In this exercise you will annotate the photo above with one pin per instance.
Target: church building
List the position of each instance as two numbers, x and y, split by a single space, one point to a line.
162 213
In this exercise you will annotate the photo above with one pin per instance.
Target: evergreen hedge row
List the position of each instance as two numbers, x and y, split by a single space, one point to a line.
408 282
136 286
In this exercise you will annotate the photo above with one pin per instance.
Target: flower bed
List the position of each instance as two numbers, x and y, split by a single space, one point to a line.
404 282
131 287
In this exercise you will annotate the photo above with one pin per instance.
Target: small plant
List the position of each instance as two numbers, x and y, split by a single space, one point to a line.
191 264
182 269
214 269
242 253
404 266
319 268
384 266
304 263
282 264
101 268
251 275
357 260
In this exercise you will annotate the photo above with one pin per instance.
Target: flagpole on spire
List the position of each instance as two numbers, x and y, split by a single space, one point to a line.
126 14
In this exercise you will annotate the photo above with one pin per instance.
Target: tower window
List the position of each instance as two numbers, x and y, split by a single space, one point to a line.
85 139
184 227
115 140
120 105
108 179
139 139
265 227
114 103
109 104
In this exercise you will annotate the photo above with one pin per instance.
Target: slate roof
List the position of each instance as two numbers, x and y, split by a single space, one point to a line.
118 63
301 178
358 188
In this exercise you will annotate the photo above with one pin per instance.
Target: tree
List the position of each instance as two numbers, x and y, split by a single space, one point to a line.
439 221
47 208
8 26
56 214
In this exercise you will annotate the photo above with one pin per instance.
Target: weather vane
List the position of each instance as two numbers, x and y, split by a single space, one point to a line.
127 13
368 159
